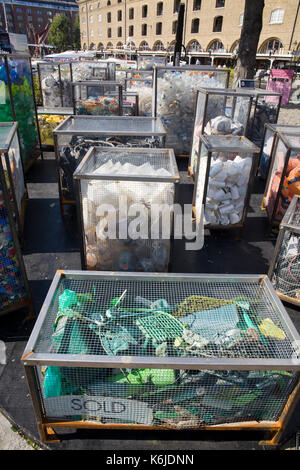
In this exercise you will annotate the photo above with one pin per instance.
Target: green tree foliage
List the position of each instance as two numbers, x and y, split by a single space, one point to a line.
76 34
60 33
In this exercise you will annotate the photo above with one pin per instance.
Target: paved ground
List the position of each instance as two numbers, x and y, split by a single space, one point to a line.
51 243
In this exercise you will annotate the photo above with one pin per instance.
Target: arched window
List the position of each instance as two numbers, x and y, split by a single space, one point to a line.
144 46
216 46
108 3
100 46
277 16
193 46
235 46
196 5
195 25
220 3
158 46
109 45
119 45
92 46
158 28
218 24
271 45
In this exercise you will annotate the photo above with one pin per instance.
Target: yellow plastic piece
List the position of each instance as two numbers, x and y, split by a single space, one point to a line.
269 329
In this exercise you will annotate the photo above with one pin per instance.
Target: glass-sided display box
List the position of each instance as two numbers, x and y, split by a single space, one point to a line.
17 103
144 88
111 186
269 139
283 179
162 352
284 271
265 109
77 134
174 100
14 288
148 61
12 168
97 98
130 104
87 69
218 111
224 178
55 80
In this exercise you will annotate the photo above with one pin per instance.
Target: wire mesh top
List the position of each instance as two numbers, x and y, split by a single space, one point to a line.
258 92
223 91
130 163
291 140
165 316
292 215
229 143
282 127
114 125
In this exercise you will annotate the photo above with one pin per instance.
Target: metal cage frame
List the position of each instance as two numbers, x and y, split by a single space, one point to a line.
95 84
280 136
31 359
275 129
41 106
285 225
59 131
77 177
256 93
185 68
11 210
222 92
253 149
37 152
19 214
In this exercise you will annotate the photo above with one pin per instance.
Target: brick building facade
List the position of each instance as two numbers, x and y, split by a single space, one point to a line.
213 25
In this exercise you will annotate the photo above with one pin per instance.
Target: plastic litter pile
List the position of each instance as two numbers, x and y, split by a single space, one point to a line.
71 155
145 97
286 277
12 289
84 71
56 90
199 326
118 253
176 96
227 188
98 106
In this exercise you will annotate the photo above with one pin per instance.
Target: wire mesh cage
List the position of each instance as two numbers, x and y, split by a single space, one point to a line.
224 178
146 61
115 185
77 134
144 88
14 288
130 103
18 103
55 80
146 351
218 111
269 139
87 69
174 100
97 98
48 121
282 182
265 109
284 267
12 168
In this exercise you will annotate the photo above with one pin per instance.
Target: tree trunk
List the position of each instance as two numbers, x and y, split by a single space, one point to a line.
252 26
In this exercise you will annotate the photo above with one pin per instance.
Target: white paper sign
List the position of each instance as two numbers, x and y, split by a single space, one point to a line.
106 407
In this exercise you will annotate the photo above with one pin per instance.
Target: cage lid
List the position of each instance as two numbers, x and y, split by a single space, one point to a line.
258 92
138 164
7 131
183 321
96 83
223 91
111 125
282 127
229 143
291 140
